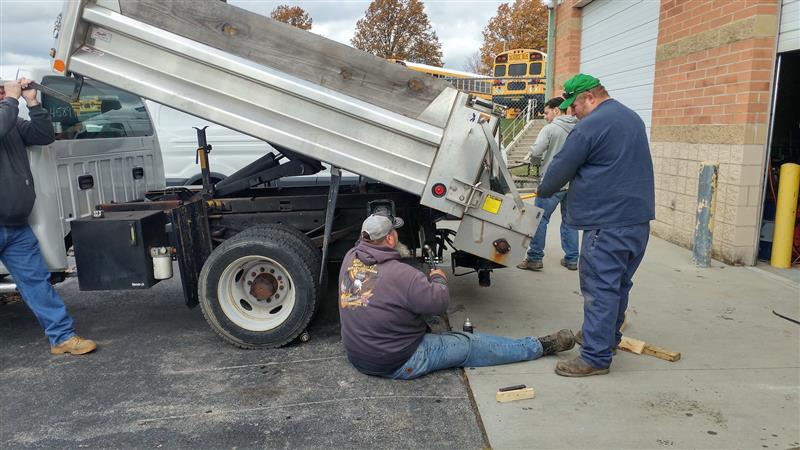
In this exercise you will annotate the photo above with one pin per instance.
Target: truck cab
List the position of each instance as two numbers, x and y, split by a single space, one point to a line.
106 150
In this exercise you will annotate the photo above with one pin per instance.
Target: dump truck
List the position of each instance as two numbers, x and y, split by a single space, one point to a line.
252 250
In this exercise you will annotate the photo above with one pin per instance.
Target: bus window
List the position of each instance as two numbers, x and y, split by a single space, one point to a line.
500 70
517 70
536 69
101 111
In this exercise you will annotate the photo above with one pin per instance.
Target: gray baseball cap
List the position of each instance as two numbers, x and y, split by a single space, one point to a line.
378 226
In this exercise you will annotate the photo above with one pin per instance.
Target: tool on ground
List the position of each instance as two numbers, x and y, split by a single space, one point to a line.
467 326
52 92
787 318
512 388
522 393
430 257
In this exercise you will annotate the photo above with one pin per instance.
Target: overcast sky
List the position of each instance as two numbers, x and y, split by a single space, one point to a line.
26 26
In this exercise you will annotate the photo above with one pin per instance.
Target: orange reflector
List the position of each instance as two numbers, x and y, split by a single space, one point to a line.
58 65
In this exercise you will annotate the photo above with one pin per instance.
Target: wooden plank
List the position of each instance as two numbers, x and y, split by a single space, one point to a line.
631 345
661 353
510 396
293 51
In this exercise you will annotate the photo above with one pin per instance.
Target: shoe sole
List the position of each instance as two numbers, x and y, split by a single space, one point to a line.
580 375
64 352
531 268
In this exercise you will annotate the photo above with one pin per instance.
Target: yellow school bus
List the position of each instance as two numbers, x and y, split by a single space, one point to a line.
472 83
519 76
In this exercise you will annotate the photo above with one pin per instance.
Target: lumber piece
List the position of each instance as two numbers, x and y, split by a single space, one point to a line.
661 353
632 345
518 394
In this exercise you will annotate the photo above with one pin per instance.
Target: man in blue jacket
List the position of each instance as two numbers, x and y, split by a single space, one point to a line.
19 249
606 159
382 304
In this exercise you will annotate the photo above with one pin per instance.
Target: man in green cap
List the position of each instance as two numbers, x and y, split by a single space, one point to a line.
606 159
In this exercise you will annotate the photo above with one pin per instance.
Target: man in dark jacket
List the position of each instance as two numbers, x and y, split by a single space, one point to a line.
19 249
382 302
606 159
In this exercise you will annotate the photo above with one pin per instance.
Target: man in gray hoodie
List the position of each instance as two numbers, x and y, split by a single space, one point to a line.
19 248
382 304
548 144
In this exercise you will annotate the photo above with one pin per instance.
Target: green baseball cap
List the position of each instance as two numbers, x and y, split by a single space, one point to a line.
576 85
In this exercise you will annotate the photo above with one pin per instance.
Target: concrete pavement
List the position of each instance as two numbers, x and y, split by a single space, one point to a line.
736 386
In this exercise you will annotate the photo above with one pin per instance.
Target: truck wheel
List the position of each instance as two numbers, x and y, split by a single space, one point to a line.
308 250
257 290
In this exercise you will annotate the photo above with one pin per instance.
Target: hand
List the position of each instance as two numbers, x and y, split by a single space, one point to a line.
439 272
12 89
28 94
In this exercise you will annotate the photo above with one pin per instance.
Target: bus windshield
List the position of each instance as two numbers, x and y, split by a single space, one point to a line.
517 70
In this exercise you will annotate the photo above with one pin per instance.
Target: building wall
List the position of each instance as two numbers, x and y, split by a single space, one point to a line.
714 64
711 99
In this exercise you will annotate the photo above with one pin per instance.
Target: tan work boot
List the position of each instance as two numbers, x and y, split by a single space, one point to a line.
530 265
577 367
74 345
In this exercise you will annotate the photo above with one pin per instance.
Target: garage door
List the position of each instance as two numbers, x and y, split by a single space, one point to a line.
618 46
789 37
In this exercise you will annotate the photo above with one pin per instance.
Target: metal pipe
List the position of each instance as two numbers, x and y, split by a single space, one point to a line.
706 202
785 214
551 44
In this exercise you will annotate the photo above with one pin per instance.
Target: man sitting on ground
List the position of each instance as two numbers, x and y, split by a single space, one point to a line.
382 302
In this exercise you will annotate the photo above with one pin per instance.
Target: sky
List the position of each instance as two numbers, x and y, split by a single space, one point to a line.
26 26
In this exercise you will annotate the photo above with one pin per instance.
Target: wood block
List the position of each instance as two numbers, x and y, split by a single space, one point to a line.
661 353
510 396
632 345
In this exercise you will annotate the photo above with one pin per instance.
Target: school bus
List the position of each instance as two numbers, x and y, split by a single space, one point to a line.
472 83
519 76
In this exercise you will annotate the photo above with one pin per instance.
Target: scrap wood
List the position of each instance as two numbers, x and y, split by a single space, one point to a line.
661 353
517 394
631 345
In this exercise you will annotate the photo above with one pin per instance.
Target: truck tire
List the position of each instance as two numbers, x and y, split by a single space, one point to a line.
308 250
257 290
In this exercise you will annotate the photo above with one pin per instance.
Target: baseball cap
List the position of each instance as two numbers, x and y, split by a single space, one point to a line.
378 226
576 85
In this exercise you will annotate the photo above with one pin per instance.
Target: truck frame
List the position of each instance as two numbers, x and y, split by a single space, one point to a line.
250 252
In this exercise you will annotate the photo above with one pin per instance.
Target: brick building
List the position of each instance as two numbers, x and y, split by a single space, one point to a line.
703 74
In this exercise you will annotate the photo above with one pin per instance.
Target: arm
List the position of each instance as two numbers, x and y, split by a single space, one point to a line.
565 164
38 130
541 144
428 297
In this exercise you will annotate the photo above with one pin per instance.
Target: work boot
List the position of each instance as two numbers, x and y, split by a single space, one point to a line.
579 341
74 345
569 265
557 342
577 367
530 265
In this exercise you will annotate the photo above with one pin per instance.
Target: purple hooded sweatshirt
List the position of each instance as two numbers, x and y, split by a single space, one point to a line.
381 304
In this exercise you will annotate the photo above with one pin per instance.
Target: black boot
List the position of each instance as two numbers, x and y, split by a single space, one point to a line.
557 342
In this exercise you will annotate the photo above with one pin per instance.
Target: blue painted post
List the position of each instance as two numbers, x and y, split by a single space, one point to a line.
706 204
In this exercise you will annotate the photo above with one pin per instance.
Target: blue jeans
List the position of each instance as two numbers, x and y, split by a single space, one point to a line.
455 349
569 237
609 258
19 252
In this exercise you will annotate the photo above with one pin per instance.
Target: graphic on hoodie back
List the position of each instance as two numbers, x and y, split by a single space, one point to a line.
356 289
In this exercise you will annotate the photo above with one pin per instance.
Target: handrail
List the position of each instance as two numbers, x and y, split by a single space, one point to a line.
517 126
